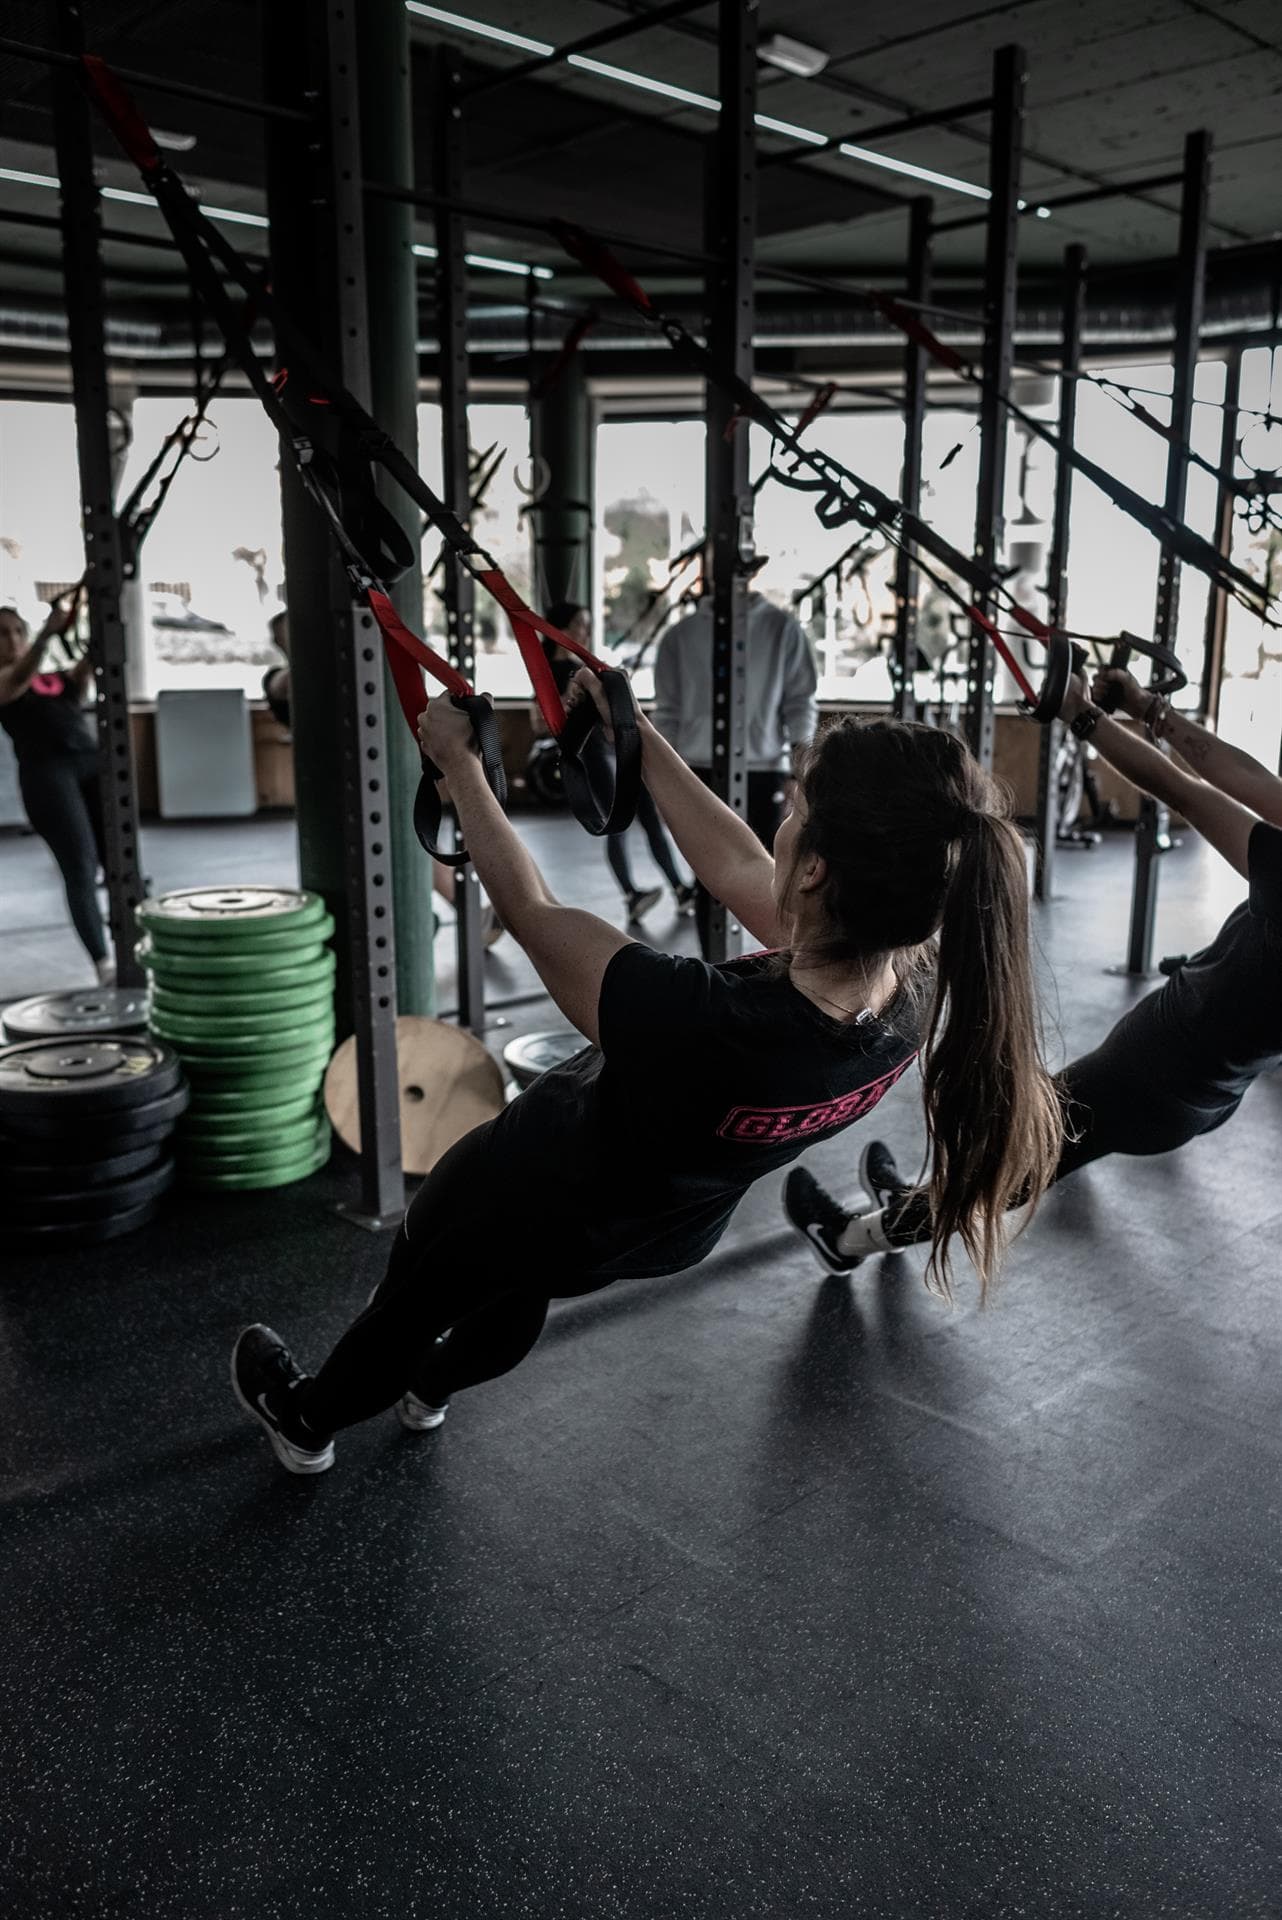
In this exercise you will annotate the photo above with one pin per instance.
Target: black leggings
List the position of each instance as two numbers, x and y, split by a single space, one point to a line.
616 847
444 1274
64 805
1112 1104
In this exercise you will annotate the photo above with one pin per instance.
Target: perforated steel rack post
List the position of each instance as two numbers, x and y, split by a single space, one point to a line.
1153 828
1005 156
366 788
904 658
86 324
731 232
1052 737
458 587
1217 600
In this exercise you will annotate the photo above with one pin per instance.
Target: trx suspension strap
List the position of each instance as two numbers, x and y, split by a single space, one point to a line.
335 445
844 496
841 495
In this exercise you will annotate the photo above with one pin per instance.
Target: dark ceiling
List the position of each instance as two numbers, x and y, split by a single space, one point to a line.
1113 88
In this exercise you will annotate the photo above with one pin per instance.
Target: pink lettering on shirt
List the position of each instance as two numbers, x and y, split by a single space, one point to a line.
760 1126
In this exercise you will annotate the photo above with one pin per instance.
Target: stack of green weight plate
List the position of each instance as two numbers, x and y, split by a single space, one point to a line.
243 991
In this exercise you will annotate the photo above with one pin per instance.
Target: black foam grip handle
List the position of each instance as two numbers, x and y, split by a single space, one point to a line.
1059 671
428 810
602 782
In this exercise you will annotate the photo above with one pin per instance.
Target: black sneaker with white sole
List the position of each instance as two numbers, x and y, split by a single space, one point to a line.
265 1379
879 1176
819 1220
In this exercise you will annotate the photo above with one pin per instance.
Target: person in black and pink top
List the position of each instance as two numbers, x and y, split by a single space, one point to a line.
1178 1063
56 744
894 915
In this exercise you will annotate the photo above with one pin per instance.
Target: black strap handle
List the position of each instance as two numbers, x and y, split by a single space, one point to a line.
428 809
602 784
1059 671
1169 678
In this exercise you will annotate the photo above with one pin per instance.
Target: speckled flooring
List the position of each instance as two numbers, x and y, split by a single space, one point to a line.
751 1595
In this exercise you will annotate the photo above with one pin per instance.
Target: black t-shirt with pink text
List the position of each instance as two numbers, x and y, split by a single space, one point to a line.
48 718
706 1079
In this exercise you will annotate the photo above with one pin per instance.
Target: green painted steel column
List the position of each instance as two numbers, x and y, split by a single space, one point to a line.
562 436
387 144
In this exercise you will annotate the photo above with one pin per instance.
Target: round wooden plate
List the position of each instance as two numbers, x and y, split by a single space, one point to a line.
448 1082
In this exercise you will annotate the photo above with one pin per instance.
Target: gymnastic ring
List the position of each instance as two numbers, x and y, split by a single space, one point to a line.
603 785
428 810
1059 671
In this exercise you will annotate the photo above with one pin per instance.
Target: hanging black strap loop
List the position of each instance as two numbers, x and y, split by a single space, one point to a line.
429 812
602 780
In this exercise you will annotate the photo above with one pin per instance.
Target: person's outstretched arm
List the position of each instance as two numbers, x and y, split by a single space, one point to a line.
1226 767
1215 815
570 949
724 852
18 675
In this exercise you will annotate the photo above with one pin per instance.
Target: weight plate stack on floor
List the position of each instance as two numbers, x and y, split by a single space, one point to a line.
67 1016
86 1137
243 991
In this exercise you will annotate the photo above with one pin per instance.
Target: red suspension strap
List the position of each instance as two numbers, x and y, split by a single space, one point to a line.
335 444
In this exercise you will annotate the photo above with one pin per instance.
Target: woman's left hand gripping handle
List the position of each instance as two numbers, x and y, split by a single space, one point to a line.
451 728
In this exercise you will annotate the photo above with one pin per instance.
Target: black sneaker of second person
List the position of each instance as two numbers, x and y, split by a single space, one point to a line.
640 903
879 1176
819 1220
266 1379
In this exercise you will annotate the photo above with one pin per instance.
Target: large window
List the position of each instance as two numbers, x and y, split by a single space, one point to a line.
502 526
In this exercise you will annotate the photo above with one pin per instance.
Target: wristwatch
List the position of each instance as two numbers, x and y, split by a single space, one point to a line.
1083 724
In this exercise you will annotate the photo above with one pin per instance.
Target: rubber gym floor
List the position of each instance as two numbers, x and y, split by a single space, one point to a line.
751 1594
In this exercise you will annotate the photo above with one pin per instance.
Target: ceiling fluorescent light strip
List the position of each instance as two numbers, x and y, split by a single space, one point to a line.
630 79
489 261
464 23
928 174
23 179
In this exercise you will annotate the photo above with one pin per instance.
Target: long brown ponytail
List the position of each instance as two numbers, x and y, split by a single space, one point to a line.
918 841
994 1122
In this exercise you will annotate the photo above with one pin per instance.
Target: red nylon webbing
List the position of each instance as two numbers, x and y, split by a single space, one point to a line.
406 654
822 400
590 253
917 330
526 626
127 123
1017 672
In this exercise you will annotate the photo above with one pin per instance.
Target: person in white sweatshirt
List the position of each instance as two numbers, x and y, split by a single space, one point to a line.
781 708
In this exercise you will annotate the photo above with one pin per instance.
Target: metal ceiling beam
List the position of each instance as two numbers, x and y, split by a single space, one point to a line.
180 89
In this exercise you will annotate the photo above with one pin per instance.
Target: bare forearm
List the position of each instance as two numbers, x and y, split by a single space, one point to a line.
1143 765
1226 767
711 836
507 872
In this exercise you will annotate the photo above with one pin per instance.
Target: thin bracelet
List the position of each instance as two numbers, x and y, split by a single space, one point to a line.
1154 717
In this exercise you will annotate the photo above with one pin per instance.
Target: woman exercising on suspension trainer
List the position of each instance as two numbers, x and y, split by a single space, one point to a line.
56 742
699 1079
1179 1062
